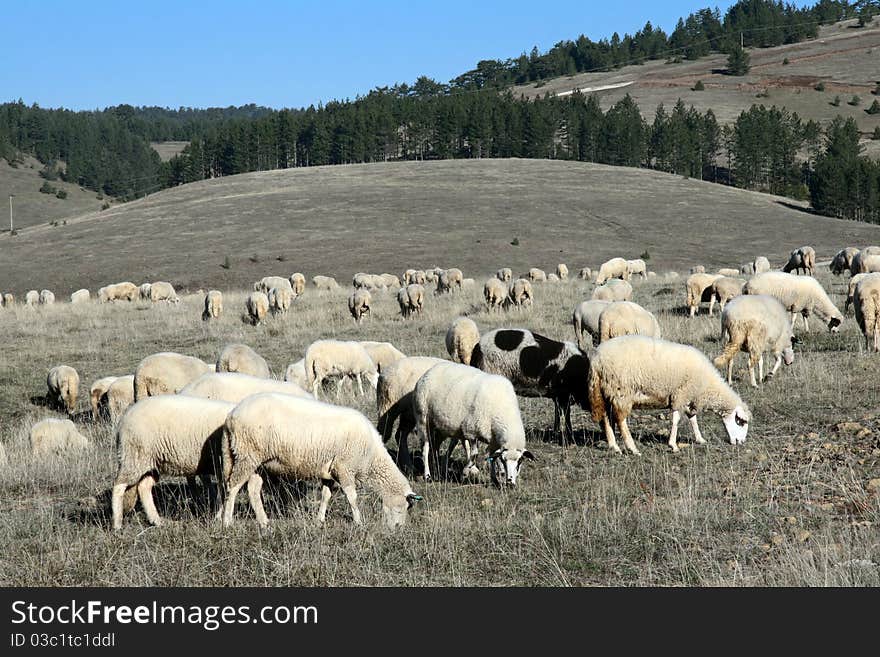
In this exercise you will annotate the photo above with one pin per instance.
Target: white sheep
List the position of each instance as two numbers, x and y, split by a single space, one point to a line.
390 281
144 291
865 263
97 391
761 265
166 373
635 371
80 296
237 357
163 291
308 439
47 297
280 299
698 269
536 275
803 258
842 260
337 358
325 283
464 404
552 278
449 280
468 283
461 338
411 299
614 268
637 266
382 354
168 435
723 290
562 272
298 283
585 274
521 293
296 373
125 291
63 386
414 276
495 294
505 274
800 296
8 300
729 272
699 288
755 323
119 396
359 303
52 436
613 290
235 386
851 288
257 307
867 305
32 298
268 282
748 269
586 318
213 305
626 318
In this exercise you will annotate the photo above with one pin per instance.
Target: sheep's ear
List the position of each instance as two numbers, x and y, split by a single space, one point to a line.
528 455
795 340
834 323
411 499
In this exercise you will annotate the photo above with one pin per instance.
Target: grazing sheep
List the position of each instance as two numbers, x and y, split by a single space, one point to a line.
237 357
729 272
359 304
699 288
636 266
803 258
280 299
867 304
144 291
652 274
409 276
63 385
47 298
468 283
97 391
296 373
495 293
670 276
390 281
213 305
537 367
865 263
257 307
461 338
552 278
521 293
723 290
126 291
562 272
266 283
505 274
411 299
536 275
613 290
119 396
762 265
80 296
748 269
52 436
417 276
163 291
463 404
8 300
337 358
585 274
626 318
802 296
698 269
32 298
170 435
365 281
382 354
235 386
871 250
635 371
842 261
166 373
325 283
298 283
851 290
586 318
449 280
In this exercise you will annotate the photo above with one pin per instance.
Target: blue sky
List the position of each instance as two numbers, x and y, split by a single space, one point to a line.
91 54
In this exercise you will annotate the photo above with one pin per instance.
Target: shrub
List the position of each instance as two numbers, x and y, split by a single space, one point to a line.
227 263
874 108
515 241
47 188
836 101
62 194
699 86
105 205
645 256
820 87
876 135
785 62
855 101
254 258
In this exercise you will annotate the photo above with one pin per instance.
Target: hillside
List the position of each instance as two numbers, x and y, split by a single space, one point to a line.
339 220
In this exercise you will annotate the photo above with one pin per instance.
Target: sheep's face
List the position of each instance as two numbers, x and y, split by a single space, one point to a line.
737 424
396 508
788 355
504 465
834 325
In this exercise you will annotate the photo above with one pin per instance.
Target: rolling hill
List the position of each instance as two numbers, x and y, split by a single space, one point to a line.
339 220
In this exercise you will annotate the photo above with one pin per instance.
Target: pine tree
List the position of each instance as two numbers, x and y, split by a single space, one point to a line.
738 62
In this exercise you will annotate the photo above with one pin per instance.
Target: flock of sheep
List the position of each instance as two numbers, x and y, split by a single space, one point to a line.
230 422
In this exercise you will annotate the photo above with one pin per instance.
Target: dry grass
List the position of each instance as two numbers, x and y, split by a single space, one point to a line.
791 507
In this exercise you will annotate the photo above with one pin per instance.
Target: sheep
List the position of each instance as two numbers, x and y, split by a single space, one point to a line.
213 305
723 290
364 281
296 373
495 293
534 275
538 367
237 357
325 283
626 318
280 299
871 250
52 436
867 304
433 274
521 293
729 272
464 404
47 298
97 391
552 278
586 318
802 258
468 283
613 290
144 291
382 354
308 439
748 269
461 338
326 358
166 373
125 291
414 276
80 296
359 304
411 299
449 280
390 280
851 291
32 298
163 291
8 300
842 261
298 283
505 274
266 283
637 266
235 386
670 276
170 435
614 268
865 263
699 288
802 296
652 274
257 306
562 272
119 396
762 265
585 274
753 324
636 371
697 269
63 386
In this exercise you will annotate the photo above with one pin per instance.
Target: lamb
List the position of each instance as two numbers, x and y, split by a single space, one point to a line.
699 288
552 278
802 296
325 283
119 396
163 291
144 291
626 318
803 258
865 263
562 272
585 274
636 266
257 307
461 338
326 358
382 354
505 274
411 299
169 435
495 293
97 391
32 298
613 290
538 367
842 261
867 304
521 293
755 323
698 269
359 304
464 404
166 373
449 280
266 283
298 283
63 385
536 275
851 291
237 357
47 298
723 290
296 373
234 386
729 272
586 318
213 305
80 296
636 371
280 299
125 291
52 436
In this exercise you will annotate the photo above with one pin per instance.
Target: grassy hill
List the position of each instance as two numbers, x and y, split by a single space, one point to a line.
339 220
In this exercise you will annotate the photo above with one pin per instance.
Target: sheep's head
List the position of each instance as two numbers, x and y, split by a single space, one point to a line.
737 424
396 508
834 324
504 464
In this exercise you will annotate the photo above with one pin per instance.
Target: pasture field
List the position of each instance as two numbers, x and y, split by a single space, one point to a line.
798 504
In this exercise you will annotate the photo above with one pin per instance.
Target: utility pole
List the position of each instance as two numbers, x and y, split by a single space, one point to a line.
741 41
10 213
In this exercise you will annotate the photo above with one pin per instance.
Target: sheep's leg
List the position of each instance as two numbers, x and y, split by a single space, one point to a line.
240 474
116 504
624 431
145 492
761 367
698 436
346 482
776 365
673 431
254 489
471 468
404 458
693 310
711 305
426 453
360 385
806 324
315 386
730 371
609 434
453 442
793 320
210 492
326 494
753 360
